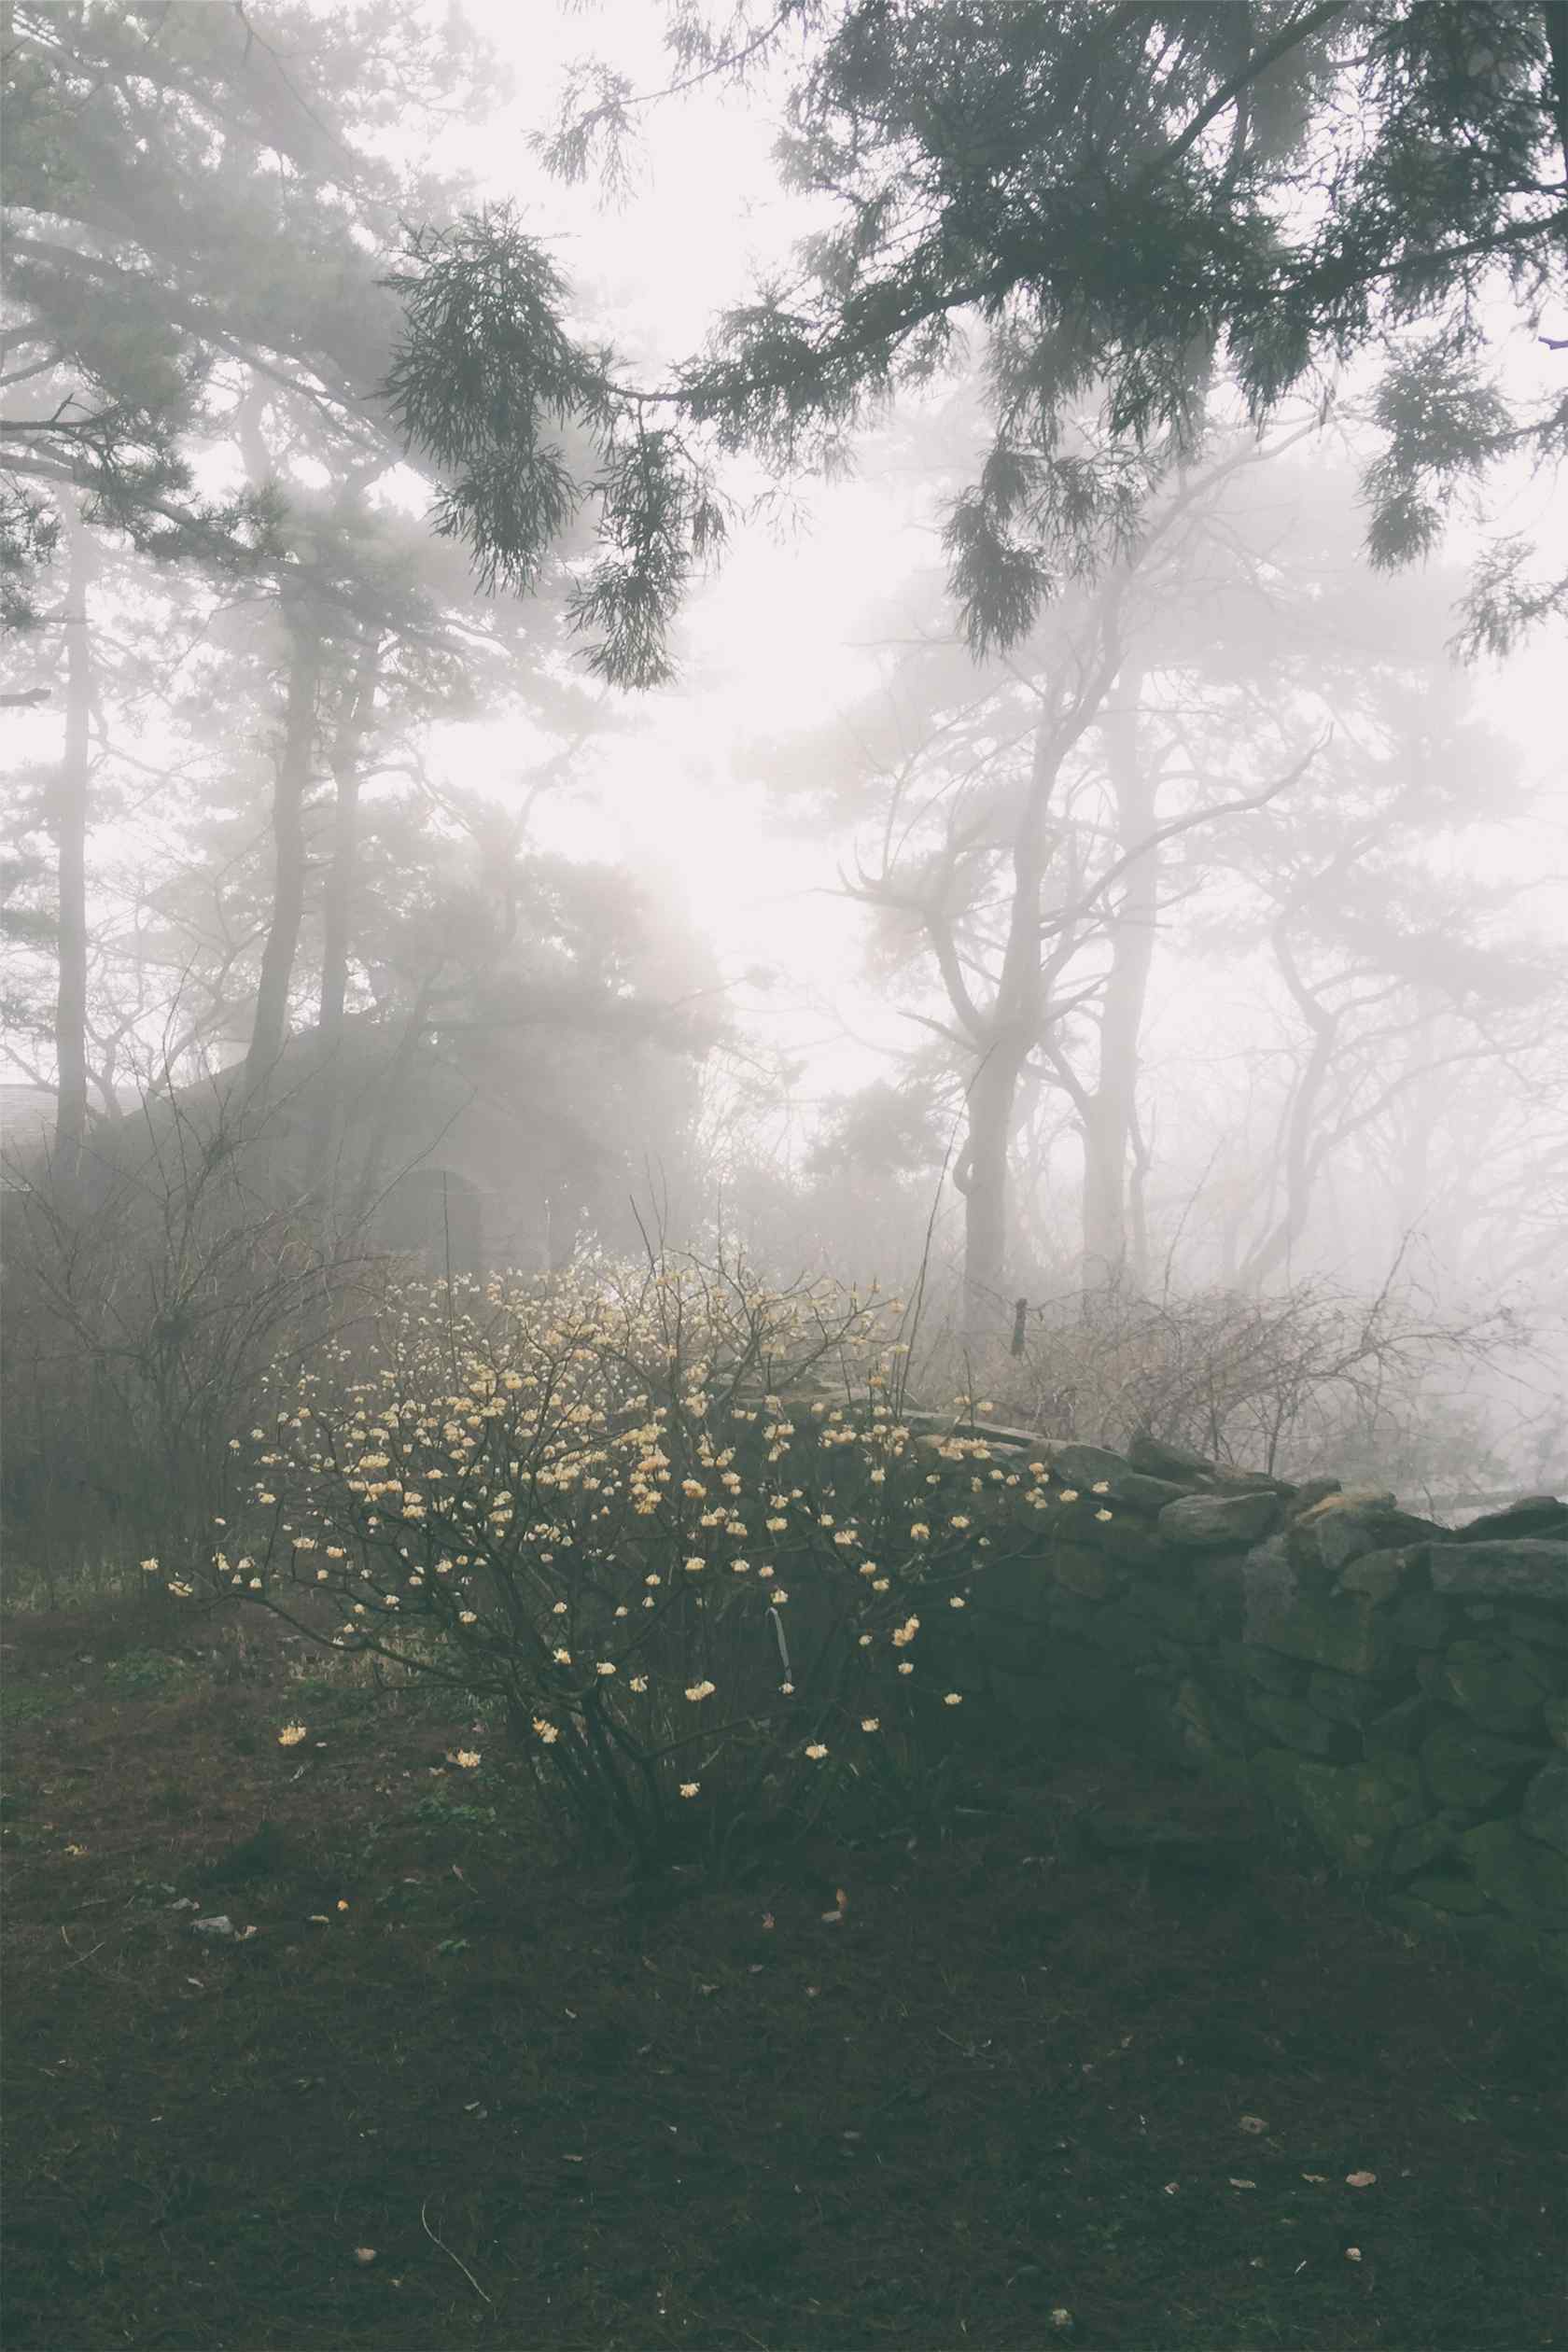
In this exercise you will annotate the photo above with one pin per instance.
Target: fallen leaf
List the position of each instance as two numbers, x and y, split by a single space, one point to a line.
1317 2177
364 2253
1360 2180
1243 2184
1251 2124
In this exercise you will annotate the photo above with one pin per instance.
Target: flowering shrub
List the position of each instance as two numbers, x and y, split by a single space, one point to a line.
666 1523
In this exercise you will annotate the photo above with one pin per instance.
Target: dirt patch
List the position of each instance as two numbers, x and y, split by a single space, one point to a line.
1042 2078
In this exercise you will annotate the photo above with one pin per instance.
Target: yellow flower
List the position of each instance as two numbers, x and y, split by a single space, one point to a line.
953 1699
547 1731
468 1617
467 1758
955 1601
871 1723
1070 1494
1103 1515
690 1788
701 1691
150 1567
920 1531
293 1734
1102 1486
562 1657
695 1566
604 1667
816 1750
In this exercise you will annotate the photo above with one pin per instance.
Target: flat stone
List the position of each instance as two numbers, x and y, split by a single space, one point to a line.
1467 1767
1449 1894
1205 1728
1342 1531
1413 1849
1160 1461
1309 1495
1533 1514
1347 1631
1526 1877
1420 1620
1296 1725
1380 1575
1218 1519
1494 1686
1354 1811
1541 1627
1089 1467
1343 1697
1266 1668
1402 1728
1545 1813
1525 1566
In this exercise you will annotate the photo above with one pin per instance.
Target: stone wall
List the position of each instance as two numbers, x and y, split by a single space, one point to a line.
1396 1690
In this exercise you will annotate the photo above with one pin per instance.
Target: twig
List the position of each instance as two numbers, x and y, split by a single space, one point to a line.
81 1956
456 2258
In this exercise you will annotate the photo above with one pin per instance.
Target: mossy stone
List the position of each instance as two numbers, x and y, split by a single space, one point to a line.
1545 1813
1296 1724
1527 1877
1467 1767
1449 1894
1354 1811
1414 1848
1495 1686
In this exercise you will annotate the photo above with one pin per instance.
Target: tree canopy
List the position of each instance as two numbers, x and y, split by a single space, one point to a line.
1134 203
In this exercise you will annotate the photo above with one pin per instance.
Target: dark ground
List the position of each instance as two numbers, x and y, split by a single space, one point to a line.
1011 2097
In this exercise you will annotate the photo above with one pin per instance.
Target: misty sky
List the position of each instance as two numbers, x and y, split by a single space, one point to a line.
772 644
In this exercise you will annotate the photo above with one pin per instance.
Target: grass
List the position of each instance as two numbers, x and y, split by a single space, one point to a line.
1001 2097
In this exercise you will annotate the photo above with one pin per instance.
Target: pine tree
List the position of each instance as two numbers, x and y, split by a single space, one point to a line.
1130 201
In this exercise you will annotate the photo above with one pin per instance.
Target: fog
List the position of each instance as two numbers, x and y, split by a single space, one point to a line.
1166 988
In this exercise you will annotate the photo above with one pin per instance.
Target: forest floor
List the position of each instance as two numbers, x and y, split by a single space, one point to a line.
450 2093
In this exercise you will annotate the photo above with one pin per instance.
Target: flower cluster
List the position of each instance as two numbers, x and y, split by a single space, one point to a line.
614 1508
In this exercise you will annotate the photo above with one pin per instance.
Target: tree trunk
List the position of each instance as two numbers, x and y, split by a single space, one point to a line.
985 1231
327 1121
338 904
1020 1012
1108 1127
71 801
1301 1161
269 1028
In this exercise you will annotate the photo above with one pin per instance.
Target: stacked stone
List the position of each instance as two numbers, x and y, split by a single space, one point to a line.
1396 1688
